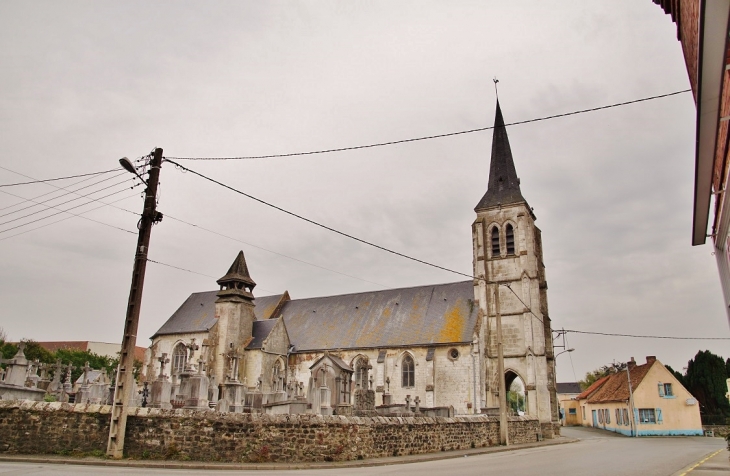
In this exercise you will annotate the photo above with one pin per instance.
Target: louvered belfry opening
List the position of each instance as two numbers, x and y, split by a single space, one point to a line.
495 242
510 236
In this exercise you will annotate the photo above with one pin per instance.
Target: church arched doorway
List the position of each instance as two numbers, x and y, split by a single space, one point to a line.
516 395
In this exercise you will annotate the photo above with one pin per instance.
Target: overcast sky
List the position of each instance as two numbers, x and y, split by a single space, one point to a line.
85 83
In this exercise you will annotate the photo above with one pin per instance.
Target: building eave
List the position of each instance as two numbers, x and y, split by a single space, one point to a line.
712 45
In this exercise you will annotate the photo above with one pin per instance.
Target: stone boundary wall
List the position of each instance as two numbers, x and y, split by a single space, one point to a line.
719 430
83 429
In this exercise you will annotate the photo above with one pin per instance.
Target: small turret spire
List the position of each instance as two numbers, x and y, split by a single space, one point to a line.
504 186
237 282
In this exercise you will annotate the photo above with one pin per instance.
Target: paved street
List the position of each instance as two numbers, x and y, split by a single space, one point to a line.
597 453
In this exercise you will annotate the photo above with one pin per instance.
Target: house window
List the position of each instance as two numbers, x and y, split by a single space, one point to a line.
408 372
608 416
361 373
618 416
495 242
600 416
453 354
571 411
626 417
665 390
179 358
647 415
510 236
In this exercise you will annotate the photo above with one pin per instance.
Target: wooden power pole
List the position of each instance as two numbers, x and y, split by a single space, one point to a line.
124 385
503 430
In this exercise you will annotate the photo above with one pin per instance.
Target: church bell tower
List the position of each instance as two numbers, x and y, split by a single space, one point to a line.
234 311
508 265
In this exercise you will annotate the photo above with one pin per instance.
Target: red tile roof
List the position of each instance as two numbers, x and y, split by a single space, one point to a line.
590 390
616 389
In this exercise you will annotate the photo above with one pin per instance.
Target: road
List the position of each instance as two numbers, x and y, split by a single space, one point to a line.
598 453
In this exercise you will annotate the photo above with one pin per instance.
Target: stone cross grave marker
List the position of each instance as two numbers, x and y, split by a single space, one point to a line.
417 401
86 373
163 360
408 403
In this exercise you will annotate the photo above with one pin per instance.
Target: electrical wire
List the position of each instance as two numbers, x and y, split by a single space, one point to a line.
644 336
181 269
62 203
58 213
274 252
58 178
570 356
44 194
317 223
435 136
35 203
75 215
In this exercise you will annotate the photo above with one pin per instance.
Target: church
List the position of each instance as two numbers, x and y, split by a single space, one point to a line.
432 346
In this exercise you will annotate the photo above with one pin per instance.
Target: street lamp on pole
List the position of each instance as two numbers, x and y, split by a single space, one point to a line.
124 383
557 402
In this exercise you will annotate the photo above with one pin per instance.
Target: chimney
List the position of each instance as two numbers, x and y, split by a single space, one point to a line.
650 359
631 363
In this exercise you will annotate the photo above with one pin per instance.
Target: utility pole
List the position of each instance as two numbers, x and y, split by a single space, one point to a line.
124 385
631 402
503 430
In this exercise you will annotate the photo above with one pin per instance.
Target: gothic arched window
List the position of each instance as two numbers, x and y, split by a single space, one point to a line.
277 376
408 372
361 373
179 358
510 235
495 241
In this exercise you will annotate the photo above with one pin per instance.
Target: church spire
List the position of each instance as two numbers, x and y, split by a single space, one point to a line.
237 283
504 186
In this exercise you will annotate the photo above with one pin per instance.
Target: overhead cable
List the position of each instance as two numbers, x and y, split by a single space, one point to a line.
58 178
609 334
435 136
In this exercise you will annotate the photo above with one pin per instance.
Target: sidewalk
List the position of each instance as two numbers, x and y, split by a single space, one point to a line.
89 461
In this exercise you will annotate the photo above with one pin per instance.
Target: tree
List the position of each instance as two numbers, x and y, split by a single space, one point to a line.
678 376
705 379
599 373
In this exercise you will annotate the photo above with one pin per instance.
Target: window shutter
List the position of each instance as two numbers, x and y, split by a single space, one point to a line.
636 416
658 415
661 389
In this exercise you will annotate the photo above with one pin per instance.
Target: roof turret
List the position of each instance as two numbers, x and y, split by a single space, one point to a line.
237 282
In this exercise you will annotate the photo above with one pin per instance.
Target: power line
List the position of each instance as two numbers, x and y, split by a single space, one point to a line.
58 178
43 194
317 223
58 213
55 207
644 336
72 216
274 252
435 136
181 269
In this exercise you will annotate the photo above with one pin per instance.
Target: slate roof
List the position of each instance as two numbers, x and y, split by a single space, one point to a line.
504 186
197 313
568 387
616 388
261 330
435 314
422 315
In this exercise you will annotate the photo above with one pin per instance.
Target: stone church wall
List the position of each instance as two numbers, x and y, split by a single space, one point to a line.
451 381
59 428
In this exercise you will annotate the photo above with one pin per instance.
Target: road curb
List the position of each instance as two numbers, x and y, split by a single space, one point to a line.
420 458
